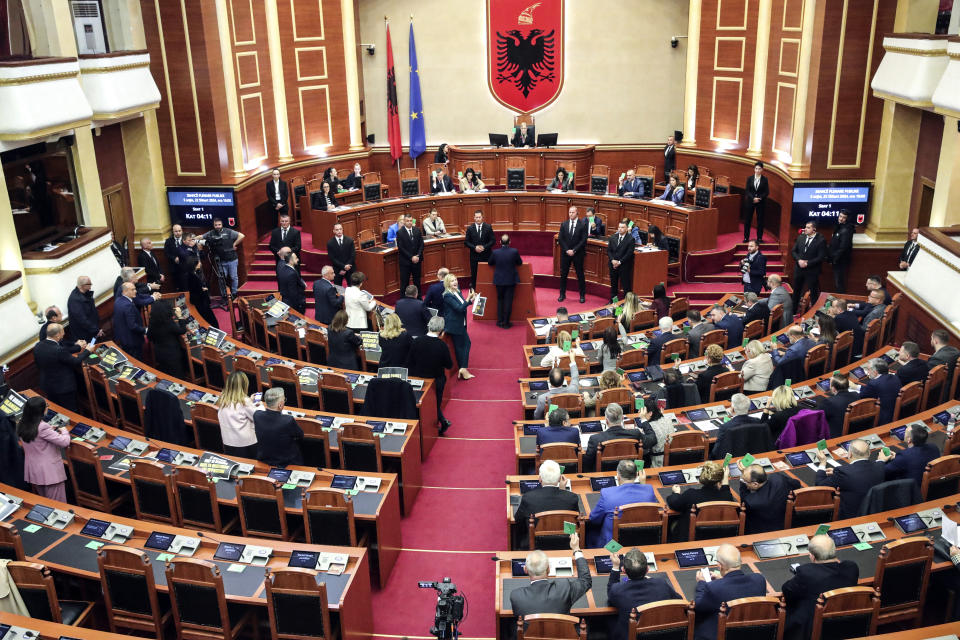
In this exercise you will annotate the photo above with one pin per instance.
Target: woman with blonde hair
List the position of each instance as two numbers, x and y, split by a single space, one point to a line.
455 308
236 417
564 347
631 305
395 342
782 407
609 379
715 478
715 367
757 369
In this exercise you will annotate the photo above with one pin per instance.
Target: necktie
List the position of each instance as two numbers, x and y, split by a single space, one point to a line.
807 246
340 241
571 227
283 235
478 229
756 183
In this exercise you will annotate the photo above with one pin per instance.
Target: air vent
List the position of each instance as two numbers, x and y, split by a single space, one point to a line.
86 9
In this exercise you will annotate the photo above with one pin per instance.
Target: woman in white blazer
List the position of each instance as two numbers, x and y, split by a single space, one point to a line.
357 302
757 369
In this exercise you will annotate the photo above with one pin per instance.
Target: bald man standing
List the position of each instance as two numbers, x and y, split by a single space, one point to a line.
823 573
128 329
57 367
729 583
326 300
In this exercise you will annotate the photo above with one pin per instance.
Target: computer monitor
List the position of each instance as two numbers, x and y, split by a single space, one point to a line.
547 140
498 139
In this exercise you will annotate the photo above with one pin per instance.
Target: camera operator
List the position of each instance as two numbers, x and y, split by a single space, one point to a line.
551 596
753 268
223 243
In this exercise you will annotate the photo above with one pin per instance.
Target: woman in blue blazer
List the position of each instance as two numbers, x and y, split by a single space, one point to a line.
455 308
674 190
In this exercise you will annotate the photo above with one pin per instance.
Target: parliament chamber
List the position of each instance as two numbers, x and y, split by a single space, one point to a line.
421 319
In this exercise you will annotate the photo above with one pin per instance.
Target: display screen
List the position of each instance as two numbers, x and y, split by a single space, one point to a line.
637 376
80 430
671 477
943 417
771 549
303 559
538 386
783 339
824 385
39 513
528 485
821 202
280 474
120 443
910 523
698 414
194 396
603 483
95 528
843 536
193 207
519 568
541 351
798 458
603 313
161 541
691 558
591 426
229 551
859 373
604 564
531 429
900 432
343 482
377 425
167 455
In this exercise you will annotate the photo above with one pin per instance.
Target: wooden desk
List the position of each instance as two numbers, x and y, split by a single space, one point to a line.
383 275
532 323
53 631
65 551
541 162
593 605
524 296
649 267
400 455
378 513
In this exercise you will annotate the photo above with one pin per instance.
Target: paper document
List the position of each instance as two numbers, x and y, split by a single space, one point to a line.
949 531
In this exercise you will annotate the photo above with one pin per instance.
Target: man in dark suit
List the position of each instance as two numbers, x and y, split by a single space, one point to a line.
755 195
595 226
57 367
440 183
144 290
326 300
343 255
291 286
628 490
479 239
698 327
639 590
808 253
912 461
573 248
844 319
765 497
355 179
55 316
434 297
823 573
729 322
505 261
555 595
429 357
413 312
613 416
278 435
82 310
853 480
655 347
800 344
620 251
630 186
146 259
171 249
834 404
558 429
551 495
840 250
943 353
910 250
669 157
912 368
754 268
729 583
128 329
739 416
882 385
284 236
277 193
755 310
524 136
410 253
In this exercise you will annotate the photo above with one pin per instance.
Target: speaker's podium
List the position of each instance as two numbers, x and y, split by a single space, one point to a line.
524 300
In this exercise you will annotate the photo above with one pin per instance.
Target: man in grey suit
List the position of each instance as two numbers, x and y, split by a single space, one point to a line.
555 385
875 306
943 353
780 295
698 327
551 596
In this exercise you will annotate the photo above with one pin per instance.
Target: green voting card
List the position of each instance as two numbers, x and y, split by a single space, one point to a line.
552 408
613 546
787 382
614 301
822 530
727 459
748 460
163 557
569 528
638 403
745 341
575 334
639 464
562 467
863 546
289 486
566 345
93 544
620 371
236 568
822 445
886 451
32 528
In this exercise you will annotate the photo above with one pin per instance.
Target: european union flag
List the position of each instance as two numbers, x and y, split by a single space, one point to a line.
418 132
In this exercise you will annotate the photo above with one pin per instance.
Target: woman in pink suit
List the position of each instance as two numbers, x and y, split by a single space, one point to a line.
43 464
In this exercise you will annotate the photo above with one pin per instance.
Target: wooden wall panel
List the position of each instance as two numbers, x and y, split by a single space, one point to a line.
251 53
783 62
725 73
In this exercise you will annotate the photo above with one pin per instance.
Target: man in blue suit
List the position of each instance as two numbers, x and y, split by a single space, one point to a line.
799 345
639 590
725 585
627 491
128 329
558 429
882 385
434 297
632 187
413 312
656 345
505 278
912 368
911 462
733 325
326 300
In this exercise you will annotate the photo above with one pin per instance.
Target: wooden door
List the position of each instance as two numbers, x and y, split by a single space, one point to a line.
115 207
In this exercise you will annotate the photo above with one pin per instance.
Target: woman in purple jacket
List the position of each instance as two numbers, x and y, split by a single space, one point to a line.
43 464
